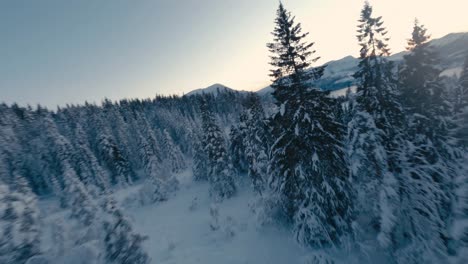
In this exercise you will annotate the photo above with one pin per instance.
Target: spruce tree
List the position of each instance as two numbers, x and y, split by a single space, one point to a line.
200 159
89 170
83 207
256 142
122 244
220 172
236 146
308 167
173 153
115 160
426 178
374 135
421 89
19 224
151 163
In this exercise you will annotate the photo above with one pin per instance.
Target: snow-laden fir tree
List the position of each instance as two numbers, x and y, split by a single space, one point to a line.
237 147
459 229
199 166
309 172
152 164
256 142
122 244
19 224
10 149
159 180
90 171
82 204
61 158
427 171
220 171
374 136
114 159
173 153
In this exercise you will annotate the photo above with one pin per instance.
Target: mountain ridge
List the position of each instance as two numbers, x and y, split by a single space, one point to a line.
452 49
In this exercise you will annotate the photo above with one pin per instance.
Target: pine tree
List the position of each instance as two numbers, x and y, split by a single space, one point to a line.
81 203
422 91
460 224
115 160
123 246
308 167
291 57
425 183
90 171
220 172
256 142
200 166
374 135
62 157
236 146
173 153
19 228
152 164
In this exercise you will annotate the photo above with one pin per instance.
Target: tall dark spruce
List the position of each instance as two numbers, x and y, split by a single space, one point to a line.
309 173
427 177
256 142
374 136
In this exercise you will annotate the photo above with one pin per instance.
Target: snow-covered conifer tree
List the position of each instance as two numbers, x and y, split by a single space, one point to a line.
90 171
374 136
256 142
199 166
81 203
308 168
220 171
461 107
173 153
427 175
19 224
122 244
114 159
237 147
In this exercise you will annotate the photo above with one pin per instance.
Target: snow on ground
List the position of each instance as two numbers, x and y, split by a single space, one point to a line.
179 230
178 234
452 72
342 92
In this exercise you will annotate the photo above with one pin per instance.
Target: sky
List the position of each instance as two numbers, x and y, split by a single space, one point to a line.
56 52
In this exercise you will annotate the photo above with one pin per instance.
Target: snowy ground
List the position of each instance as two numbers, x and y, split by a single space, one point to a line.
178 234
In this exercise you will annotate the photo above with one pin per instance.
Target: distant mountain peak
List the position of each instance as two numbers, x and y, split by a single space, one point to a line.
212 89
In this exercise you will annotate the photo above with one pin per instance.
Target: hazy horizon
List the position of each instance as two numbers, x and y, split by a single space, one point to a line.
63 52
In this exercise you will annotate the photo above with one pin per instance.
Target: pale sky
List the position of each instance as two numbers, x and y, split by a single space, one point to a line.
55 52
